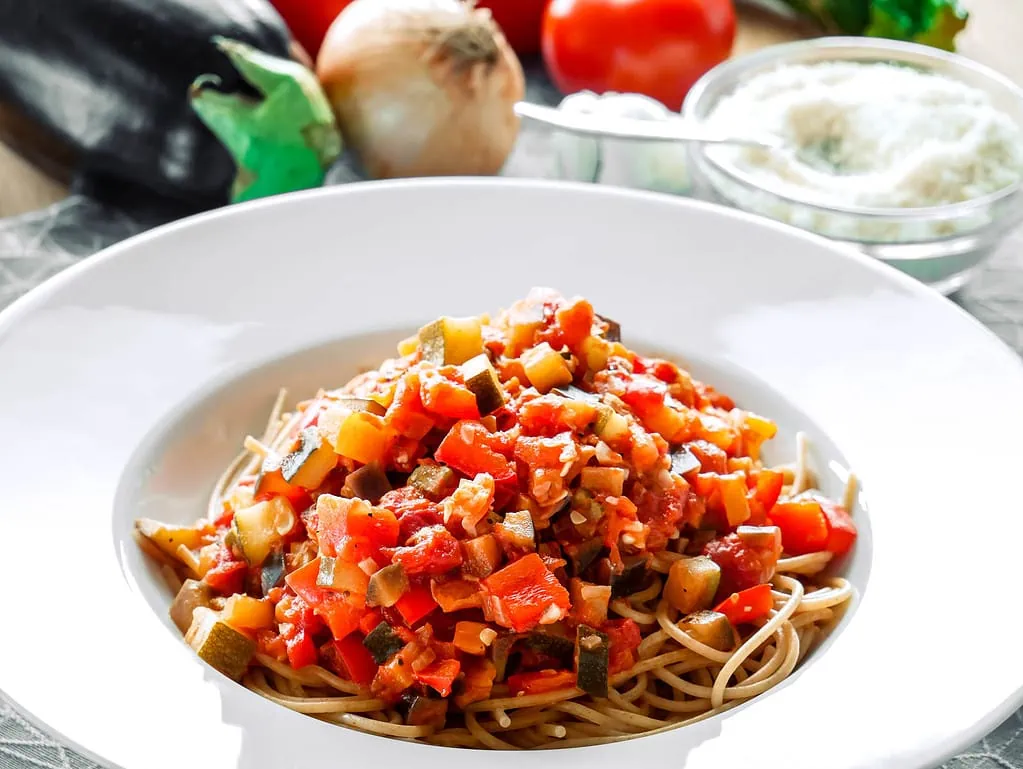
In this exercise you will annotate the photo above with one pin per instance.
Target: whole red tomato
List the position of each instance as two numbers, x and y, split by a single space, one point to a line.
520 20
654 47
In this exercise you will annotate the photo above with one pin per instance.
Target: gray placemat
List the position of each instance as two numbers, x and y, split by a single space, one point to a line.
36 246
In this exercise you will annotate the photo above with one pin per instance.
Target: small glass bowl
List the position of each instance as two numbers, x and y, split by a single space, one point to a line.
940 245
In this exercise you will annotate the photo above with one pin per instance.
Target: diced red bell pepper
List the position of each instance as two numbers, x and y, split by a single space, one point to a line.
747 605
370 620
355 657
227 576
440 675
467 448
804 528
433 550
842 530
768 487
446 398
416 603
339 518
624 638
540 682
524 594
742 566
574 321
341 612
406 413
551 414
301 650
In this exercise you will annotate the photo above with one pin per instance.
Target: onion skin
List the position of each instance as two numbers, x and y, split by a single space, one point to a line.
410 99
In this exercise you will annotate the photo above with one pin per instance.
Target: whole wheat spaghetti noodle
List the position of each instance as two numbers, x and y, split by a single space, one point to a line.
519 534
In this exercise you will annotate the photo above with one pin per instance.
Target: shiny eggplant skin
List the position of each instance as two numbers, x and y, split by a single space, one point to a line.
107 81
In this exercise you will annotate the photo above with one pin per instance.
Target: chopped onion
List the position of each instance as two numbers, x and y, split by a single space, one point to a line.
422 87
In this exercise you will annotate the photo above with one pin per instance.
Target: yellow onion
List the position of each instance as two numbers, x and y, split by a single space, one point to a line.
422 87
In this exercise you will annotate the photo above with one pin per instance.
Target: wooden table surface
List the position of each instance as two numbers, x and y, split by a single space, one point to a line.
992 37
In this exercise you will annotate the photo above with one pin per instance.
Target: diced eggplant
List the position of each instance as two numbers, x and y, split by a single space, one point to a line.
515 533
341 575
610 425
613 333
592 653
192 595
633 577
367 405
451 341
692 583
310 463
259 529
369 482
219 644
421 710
578 394
273 572
604 480
555 646
582 554
382 643
481 556
387 586
711 628
168 537
435 481
501 650
760 537
481 379
683 461
545 368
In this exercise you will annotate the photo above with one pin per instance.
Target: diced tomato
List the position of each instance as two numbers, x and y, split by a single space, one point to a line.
742 566
416 603
613 523
524 594
446 398
708 396
355 657
540 682
414 511
227 576
747 605
440 675
711 458
433 550
551 414
574 321
339 517
341 612
624 638
804 527
545 453
842 530
662 510
301 650
466 448
406 413
396 675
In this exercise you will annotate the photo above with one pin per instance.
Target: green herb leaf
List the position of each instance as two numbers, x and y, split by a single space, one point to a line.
931 22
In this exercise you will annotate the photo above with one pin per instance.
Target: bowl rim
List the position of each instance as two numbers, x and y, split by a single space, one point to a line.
781 53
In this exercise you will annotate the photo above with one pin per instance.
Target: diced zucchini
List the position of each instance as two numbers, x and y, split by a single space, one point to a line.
451 341
592 652
711 628
555 646
387 586
761 537
692 583
308 465
259 529
219 644
610 425
481 379
604 480
243 612
382 643
342 576
545 368
582 554
515 533
422 710
633 577
273 572
168 537
481 556
369 482
192 595
435 481
683 461
613 332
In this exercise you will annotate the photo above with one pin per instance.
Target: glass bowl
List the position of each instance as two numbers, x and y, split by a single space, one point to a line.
939 245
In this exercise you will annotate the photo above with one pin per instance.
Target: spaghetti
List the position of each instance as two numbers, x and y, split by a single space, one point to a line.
518 535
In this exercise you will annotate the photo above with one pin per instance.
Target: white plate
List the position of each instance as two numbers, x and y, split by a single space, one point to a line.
114 404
